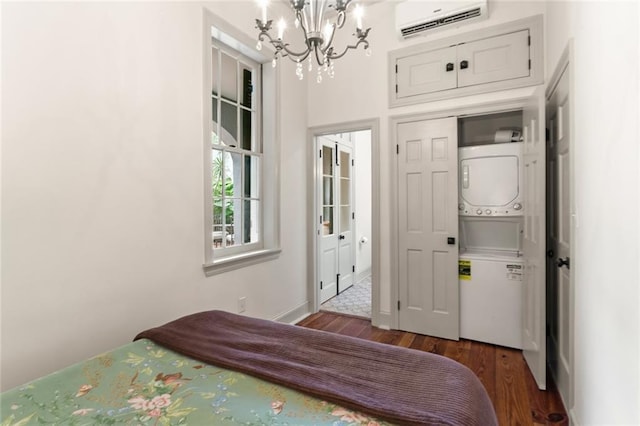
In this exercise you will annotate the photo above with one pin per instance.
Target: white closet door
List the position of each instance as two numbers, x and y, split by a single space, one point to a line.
534 239
428 228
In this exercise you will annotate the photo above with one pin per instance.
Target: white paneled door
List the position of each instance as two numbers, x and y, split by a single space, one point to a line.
561 299
346 235
336 246
534 239
428 286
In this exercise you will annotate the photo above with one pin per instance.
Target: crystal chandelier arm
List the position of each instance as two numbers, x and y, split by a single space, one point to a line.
320 60
342 15
362 39
279 45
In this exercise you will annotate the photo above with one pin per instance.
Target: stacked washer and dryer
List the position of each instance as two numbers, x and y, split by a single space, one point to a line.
491 220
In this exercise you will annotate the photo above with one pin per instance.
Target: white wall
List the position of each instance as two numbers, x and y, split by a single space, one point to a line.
359 91
102 174
607 160
362 178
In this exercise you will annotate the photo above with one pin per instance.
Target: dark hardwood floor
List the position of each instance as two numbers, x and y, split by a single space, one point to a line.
501 370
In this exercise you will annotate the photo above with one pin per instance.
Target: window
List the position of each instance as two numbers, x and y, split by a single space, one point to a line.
235 152
241 215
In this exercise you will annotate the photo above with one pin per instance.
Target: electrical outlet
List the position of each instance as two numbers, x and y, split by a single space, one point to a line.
242 304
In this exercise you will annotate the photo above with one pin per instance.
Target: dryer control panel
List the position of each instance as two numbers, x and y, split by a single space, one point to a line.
490 181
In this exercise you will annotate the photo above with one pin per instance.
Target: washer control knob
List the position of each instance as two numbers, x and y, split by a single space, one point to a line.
487 211
479 211
517 206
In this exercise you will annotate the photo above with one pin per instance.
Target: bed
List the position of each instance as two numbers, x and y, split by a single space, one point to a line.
217 368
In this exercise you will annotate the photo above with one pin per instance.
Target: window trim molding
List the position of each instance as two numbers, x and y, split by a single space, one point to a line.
270 143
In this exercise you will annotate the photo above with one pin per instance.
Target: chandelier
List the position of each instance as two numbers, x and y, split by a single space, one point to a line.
318 31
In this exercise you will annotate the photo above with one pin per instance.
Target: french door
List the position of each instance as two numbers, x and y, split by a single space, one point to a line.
335 190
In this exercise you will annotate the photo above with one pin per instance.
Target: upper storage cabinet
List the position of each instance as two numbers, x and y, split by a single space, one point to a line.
491 59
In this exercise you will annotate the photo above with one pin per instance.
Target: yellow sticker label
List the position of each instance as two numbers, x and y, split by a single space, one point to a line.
464 269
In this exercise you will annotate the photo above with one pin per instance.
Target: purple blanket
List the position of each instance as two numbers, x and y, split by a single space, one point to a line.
397 384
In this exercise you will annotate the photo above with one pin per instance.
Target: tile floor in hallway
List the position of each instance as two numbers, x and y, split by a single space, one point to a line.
355 300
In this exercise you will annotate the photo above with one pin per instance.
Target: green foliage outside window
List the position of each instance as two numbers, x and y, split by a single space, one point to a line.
221 186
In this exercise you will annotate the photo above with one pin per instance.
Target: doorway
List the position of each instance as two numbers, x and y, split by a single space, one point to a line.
344 211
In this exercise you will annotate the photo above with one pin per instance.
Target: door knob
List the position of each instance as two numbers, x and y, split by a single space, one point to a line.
449 66
564 262
341 237
451 240
464 65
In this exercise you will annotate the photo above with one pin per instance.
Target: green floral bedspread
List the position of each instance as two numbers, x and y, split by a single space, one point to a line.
142 383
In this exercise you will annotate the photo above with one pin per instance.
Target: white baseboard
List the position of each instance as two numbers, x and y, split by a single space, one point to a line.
572 418
381 320
295 315
363 274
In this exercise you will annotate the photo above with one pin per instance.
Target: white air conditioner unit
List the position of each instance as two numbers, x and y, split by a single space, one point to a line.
416 17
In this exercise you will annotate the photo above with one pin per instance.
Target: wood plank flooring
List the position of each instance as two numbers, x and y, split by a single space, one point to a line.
502 371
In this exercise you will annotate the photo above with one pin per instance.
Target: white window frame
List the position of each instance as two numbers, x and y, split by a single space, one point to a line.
221 260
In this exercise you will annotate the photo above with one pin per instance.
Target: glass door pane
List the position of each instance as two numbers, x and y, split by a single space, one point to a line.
327 191
345 191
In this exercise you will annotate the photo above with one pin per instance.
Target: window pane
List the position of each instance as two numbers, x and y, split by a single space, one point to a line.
214 114
345 187
246 129
251 221
229 78
251 174
345 163
229 220
214 71
327 160
327 220
234 175
229 124
216 172
247 85
217 234
345 218
327 190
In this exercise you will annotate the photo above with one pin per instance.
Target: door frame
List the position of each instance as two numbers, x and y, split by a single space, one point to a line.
515 102
372 125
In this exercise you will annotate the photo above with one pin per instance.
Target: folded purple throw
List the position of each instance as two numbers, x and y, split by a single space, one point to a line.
397 384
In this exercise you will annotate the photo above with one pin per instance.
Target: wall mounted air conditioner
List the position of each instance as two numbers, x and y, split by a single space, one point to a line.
418 17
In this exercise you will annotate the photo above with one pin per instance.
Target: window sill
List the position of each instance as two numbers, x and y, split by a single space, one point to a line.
230 263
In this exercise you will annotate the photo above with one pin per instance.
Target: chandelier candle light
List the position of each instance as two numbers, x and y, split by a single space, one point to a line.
318 34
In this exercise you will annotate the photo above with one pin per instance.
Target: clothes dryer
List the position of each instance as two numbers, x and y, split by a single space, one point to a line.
490 182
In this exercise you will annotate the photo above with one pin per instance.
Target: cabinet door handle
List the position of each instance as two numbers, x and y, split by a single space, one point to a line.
450 66
464 65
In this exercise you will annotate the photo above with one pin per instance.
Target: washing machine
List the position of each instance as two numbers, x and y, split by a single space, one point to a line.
491 274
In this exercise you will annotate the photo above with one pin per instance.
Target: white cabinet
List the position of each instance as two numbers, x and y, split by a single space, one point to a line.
494 59
426 72
487 60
